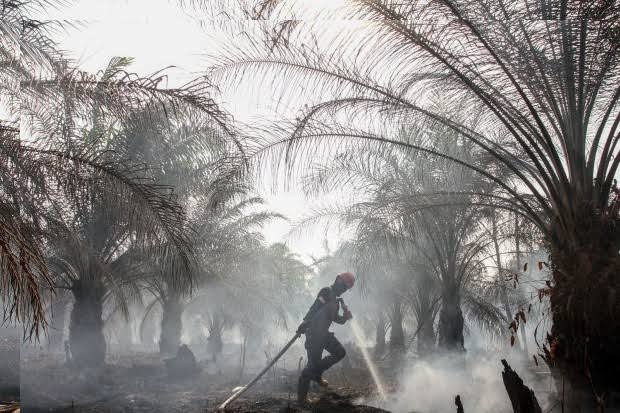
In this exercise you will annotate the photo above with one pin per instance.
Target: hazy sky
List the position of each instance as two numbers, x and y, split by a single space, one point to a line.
157 34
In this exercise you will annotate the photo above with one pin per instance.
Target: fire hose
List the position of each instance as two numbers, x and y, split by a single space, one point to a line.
242 390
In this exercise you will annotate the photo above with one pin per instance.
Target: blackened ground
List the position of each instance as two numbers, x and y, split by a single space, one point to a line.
138 382
328 402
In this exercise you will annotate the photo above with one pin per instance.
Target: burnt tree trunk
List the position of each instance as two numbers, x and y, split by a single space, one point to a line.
86 339
171 324
397 332
451 321
459 404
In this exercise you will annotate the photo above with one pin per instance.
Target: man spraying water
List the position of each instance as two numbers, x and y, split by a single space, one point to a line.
315 326
322 313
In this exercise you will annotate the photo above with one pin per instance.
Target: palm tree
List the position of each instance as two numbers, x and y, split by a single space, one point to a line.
545 74
426 204
410 279
98 249
218 321
258 286
225 223
44 169
198 162
376 276
101 253
382 279
424 299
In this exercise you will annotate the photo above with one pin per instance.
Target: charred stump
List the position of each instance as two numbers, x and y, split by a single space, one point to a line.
459 404
183 364
521 397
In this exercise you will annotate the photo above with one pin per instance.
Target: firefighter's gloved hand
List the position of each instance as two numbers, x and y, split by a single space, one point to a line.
347 314
302 327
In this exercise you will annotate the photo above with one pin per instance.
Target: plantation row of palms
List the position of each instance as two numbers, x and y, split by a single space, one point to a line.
461 129
116 189
64 164
531 85
417 226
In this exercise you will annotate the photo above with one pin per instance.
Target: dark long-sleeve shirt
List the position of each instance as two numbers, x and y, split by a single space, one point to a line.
322 313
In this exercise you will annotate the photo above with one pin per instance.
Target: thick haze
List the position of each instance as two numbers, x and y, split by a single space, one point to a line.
158 34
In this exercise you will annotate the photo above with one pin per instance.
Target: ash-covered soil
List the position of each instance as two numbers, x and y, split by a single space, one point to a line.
139 382
328 402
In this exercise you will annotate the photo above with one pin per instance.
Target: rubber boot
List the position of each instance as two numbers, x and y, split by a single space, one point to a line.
302 389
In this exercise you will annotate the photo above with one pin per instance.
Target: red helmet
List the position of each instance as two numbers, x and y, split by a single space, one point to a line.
348 279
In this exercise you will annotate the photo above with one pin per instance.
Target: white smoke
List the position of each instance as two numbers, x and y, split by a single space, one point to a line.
430 386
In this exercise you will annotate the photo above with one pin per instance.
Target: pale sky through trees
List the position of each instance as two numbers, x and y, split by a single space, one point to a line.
157 34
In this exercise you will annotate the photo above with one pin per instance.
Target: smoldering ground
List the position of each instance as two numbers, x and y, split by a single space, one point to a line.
430 385
136 380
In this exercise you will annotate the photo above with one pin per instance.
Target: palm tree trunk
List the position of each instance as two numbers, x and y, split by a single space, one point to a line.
518 265
585 303
451 321
244 347
426 336
125 335
58 320
380 334
171 324
86 339
500 271
397 332
215 344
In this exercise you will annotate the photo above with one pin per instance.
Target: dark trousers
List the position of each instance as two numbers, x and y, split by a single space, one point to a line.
317 364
